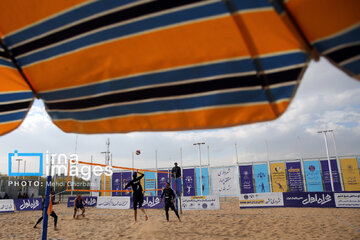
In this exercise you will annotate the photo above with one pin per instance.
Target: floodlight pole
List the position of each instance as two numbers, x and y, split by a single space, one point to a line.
132 161
328 157
201 185
18 160
337 161
236 152
302 164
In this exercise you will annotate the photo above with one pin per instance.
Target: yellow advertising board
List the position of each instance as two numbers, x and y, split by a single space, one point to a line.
350 173
278 177
107 184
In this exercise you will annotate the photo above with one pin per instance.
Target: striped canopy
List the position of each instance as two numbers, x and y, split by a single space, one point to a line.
125 65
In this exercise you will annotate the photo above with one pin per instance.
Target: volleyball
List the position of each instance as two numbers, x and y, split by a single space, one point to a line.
138 152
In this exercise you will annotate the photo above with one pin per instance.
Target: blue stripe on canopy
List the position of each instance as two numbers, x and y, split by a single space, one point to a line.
353 66
7 63
342 39
9 97
13 116
61 20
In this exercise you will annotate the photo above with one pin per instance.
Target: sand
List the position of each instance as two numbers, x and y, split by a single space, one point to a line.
228 223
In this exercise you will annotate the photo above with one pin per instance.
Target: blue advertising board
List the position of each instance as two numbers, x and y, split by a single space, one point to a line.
90 201
150 202
150 182
162 178
309 199
116 183
205 181
295 181
313 176
261 178
29 204
246 179
326 175
189 182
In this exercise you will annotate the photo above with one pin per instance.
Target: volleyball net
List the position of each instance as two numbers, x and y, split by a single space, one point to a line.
86 170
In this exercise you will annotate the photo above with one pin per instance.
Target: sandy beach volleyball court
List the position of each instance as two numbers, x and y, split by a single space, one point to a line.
228 223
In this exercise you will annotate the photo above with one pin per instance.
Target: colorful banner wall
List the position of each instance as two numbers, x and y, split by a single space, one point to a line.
113 202
150 182
162 178
201 203
30 204
189 182
224 181
313 176
351 176
205 181
150 202
261 200
7 205
326 175
261 178
278 177
90 201
347 200
116 183
246 179
307 199
294 176
128 177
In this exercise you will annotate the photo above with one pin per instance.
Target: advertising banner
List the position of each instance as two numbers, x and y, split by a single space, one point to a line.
278 176
201 203
90 201
150 182
309 199
205 181
261 178
351 176
7 205
176 185
150 202
347 200
162 178
113 202
326 175
95 184
261 200
128 177
224 181
313 176
189 182
246 179
29 204
116 183
105 184
294 174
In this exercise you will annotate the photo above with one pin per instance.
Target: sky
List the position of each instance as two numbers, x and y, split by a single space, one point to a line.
326 99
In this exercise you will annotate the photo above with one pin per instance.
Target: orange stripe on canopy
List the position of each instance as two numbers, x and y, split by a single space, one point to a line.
189 44
322 18
16 19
